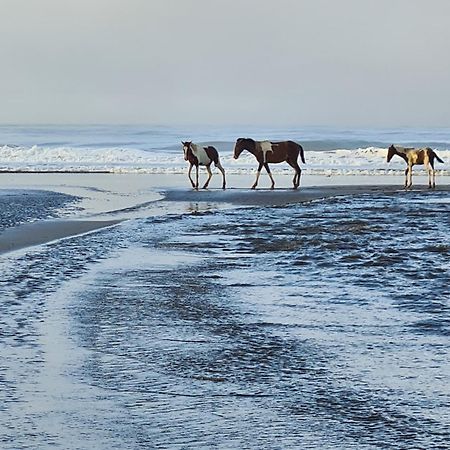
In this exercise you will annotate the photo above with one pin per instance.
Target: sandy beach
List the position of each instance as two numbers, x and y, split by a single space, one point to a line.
108 199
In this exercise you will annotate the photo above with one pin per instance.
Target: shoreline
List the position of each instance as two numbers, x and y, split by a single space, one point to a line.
108 199
281 197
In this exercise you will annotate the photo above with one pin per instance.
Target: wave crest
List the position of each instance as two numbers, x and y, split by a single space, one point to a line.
362 161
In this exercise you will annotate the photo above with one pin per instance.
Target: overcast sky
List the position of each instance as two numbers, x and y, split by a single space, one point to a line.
279 62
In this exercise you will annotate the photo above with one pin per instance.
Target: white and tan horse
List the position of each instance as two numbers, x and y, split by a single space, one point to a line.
416 156
202 156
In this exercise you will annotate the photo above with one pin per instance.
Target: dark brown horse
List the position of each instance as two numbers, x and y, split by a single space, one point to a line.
202 156
272 152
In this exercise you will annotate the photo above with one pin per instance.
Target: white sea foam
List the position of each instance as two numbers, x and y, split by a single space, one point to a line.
362 161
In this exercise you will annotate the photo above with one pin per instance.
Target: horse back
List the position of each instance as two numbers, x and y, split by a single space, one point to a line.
419 156
285 150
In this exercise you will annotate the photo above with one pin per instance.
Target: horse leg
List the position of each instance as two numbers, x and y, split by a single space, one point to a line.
258 173
410 176
430 175
429 166
189 175
407 172
298 173
196 177
219 166
208 169
270 175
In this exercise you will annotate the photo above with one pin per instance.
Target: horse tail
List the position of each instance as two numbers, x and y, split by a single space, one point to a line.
439 159
302 156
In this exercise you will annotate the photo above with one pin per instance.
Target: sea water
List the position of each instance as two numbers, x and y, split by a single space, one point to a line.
141 149
321 325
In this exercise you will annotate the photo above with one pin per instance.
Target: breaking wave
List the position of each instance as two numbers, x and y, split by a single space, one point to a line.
361 161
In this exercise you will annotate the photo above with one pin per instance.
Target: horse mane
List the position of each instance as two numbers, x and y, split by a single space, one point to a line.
249 142
399 148
402 149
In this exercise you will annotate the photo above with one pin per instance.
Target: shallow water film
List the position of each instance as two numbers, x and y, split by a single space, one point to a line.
323 325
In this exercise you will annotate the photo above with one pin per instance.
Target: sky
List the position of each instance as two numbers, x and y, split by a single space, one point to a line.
366 63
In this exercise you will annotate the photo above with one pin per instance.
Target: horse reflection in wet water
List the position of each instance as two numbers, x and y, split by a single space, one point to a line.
267 152
416 156
202 156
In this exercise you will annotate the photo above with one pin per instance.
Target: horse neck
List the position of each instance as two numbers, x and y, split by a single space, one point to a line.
194 148
402 154
252 147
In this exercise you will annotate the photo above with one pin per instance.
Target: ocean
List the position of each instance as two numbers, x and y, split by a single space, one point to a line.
317 325
133 149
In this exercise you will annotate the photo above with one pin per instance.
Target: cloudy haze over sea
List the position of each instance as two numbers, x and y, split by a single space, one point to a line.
309 62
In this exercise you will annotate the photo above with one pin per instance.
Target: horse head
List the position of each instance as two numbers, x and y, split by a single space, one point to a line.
391 152
186 148
241 145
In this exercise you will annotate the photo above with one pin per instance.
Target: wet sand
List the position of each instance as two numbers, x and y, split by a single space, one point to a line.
43 232
217 337
280 197
107 199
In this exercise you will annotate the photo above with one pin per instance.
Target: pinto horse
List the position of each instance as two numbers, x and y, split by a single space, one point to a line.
413 156
272 152
202 156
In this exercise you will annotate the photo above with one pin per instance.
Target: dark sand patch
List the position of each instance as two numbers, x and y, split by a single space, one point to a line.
279 197
42 232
